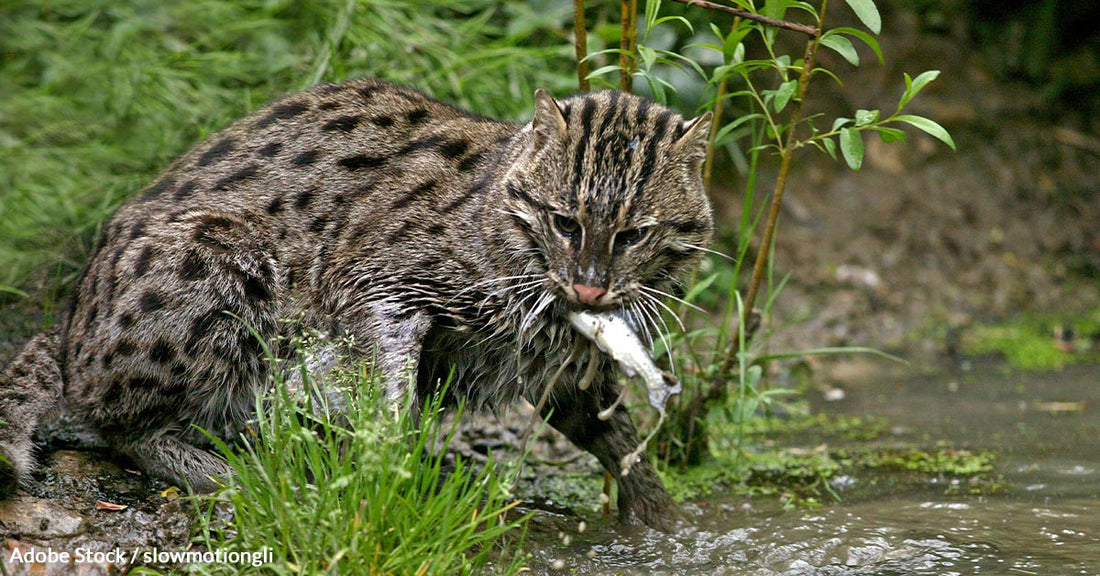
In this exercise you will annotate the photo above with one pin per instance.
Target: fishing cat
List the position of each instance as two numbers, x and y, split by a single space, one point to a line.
434 238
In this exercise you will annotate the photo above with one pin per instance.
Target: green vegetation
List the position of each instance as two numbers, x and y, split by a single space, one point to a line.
96 98
360 493
808 460
1034 342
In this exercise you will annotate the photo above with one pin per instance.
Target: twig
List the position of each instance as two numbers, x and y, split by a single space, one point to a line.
581 44
627 43
716 121
777 197
1076 139
807 30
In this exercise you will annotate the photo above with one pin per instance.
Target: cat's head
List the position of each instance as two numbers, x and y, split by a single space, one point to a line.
606 197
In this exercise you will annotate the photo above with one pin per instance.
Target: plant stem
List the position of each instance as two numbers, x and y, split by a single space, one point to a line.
716 122
581 44
777 197
807 30
627 43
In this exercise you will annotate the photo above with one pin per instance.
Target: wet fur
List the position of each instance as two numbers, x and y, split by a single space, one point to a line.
430 236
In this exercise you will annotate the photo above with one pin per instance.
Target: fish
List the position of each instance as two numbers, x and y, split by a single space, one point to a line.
614 337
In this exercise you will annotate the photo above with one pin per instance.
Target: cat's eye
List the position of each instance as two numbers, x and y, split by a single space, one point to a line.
566 226
625 238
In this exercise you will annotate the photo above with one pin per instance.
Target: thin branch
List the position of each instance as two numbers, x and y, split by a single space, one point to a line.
716 122
807 30
627 43
777 197
581 44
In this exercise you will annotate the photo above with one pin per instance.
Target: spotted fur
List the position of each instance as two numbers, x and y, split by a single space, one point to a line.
435 238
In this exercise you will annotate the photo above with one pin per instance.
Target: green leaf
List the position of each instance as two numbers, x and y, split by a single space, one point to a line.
867 13
865 37
830 147
865 117
721 134
914 85
784 93
679 19
805 7
738 53
5 289
657 86
700 286
851 146
923 79
603 70
827 72
929 127
842 46
839 122
890 135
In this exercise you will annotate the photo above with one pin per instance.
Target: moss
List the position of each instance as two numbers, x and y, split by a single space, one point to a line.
839 426
1037 341
939 462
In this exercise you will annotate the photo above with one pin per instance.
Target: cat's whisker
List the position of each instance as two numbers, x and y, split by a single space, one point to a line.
490 281
655 300
673 279
665 334
651 326
528 291
532 315
631 308
676 298
516 290
707 250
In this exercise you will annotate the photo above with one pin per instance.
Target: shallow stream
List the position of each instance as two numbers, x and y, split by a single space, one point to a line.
1043 427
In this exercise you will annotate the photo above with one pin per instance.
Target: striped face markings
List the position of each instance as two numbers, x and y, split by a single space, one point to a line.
613 187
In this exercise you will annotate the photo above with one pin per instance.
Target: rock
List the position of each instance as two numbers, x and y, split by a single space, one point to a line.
29 517
58 528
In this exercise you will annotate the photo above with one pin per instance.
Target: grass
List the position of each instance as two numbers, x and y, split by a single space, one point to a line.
363 492
96 98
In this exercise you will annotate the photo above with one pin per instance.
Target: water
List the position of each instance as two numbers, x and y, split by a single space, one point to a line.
1044 428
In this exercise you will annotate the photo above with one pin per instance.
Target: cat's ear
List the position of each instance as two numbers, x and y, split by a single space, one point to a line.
548 123
693 144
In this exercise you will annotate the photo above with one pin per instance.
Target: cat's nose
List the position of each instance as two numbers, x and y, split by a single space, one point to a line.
587 294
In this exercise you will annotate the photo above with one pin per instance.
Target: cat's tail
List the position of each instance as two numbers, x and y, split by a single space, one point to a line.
29 388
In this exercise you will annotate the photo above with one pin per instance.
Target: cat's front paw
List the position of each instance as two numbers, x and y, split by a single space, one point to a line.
655 509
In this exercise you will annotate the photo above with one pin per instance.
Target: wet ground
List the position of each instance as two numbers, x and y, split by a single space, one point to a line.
1046 520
